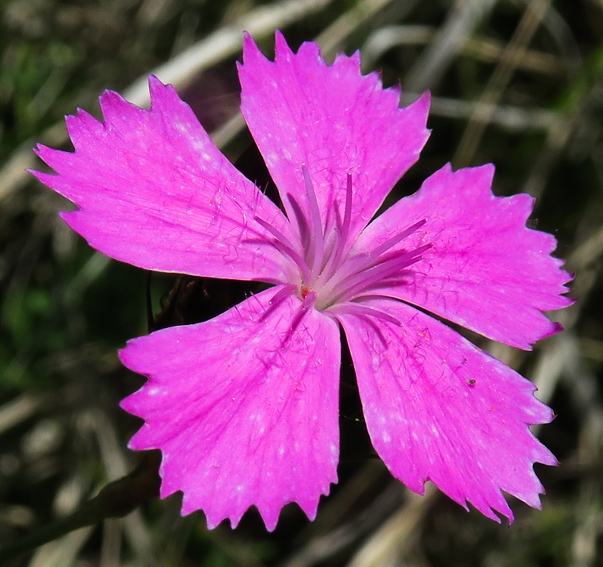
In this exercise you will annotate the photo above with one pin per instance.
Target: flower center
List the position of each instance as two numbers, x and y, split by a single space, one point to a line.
305 291
326 269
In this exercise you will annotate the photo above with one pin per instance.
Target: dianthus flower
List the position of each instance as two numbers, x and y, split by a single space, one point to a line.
244 407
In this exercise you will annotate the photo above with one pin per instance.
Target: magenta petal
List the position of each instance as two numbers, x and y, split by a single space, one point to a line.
243 408
437 408
334 121
154 191
485 270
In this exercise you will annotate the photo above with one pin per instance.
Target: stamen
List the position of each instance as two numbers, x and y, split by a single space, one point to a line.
274 231
347 215
341 237
304 231
361 262
309 296
278 298
283 245
317 243
359 280
329 279
395 239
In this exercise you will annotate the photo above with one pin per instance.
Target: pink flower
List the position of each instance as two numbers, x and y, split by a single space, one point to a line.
244 407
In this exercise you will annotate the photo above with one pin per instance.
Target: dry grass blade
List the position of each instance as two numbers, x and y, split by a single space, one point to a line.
62 552
395 538
509 61
449 40
482 49
17 410
325 547
331 38
511 118
225 42
179 71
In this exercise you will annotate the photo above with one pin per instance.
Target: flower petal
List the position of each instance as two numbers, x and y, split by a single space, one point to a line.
485 270
243 407
437 408
334 121
154 191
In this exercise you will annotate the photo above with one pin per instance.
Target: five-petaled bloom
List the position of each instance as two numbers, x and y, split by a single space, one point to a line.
244 407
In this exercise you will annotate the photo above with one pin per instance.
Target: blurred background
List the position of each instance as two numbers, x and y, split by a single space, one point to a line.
515 82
